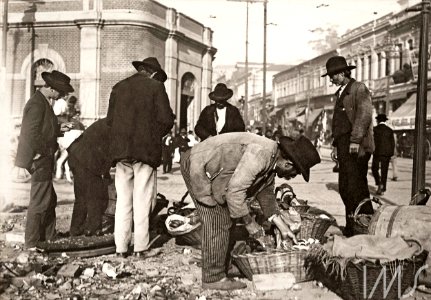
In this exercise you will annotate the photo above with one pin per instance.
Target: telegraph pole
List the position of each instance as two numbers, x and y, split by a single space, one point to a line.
265 113
419 161
3 55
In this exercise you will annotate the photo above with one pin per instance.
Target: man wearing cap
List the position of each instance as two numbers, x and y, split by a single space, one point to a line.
219 117
36 148
384 150
222 172
139 115
352 131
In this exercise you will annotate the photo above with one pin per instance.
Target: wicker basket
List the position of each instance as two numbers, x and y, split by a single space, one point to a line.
356 287
312 226
365 280
272 261
362 221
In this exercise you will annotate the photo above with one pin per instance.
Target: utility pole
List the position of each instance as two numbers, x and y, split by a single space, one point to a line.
419 161
246 57
3 56
265 113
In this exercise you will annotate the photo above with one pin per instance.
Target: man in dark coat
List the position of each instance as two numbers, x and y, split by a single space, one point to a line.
219 117
139 115
167 152
352 130
90 165
385 145
36 148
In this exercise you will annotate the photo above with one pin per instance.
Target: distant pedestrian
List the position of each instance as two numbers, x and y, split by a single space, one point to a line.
394 161
385 144
182 141
36 148
219 117
352 130
139 115
192 138
167 152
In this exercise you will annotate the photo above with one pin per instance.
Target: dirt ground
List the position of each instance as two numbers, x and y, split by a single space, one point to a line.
169 271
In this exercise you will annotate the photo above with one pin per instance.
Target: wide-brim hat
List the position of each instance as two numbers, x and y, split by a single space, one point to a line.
154 64
220 93
337 64
381 118
58 81
301 152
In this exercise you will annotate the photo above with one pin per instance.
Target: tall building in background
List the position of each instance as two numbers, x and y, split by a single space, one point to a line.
95 41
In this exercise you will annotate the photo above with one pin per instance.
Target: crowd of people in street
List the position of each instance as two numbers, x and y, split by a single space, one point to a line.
223 166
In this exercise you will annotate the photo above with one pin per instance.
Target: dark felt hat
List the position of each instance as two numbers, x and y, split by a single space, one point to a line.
220 93
301 152
58 81
337 64
154 64
381 118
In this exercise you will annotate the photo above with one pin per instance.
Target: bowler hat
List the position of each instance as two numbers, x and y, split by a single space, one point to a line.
337 64
58 81
381 118
220 93
301 152
154 64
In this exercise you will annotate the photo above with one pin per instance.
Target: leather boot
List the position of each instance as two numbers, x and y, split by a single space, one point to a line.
380 190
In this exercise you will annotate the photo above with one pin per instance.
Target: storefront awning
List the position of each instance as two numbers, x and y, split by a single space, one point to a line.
311 116
275 111
299 113
404 116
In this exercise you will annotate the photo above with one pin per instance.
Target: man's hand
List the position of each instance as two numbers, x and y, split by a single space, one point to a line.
37 156
284 229
66 126
354 148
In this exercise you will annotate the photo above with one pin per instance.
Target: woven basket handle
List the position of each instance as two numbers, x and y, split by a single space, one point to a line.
374 199
286 190
417 242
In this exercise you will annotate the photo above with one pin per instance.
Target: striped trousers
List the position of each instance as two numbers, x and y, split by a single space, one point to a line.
216 231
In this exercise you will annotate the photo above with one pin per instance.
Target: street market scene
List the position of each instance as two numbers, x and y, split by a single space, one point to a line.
215 149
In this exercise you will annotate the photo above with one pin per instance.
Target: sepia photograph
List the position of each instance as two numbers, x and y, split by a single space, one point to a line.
215 149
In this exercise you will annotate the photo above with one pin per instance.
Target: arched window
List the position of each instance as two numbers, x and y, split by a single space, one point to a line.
40 66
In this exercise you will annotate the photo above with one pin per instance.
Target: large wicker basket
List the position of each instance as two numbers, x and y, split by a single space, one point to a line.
363 281
313 226
367 280
272 261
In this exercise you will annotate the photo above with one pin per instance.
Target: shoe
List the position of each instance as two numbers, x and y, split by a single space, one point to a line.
224 284
139 254
380 190
121 254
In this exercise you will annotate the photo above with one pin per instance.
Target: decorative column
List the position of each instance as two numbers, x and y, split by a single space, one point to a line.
359 69
171 60
353 63
366 67
382 64
207 59
374 65
89 89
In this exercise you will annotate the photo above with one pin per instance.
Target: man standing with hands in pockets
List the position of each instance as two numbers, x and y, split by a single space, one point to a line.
352 130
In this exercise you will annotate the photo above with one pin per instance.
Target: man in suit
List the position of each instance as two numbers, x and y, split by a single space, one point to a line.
139 115
384 150
219 117
352 131
167 152
36 148
221 173
90 165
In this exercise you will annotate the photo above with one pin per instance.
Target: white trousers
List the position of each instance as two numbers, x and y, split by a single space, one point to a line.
136 187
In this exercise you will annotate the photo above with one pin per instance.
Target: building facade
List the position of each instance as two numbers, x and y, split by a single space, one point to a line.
95 41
